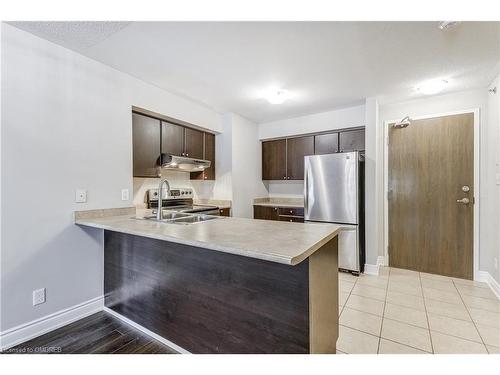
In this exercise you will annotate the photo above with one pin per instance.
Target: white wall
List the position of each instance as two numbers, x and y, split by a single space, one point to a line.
494 119
247 166
488 192
319 122
66 124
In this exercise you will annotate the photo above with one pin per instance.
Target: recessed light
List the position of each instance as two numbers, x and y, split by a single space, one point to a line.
432 87
276 96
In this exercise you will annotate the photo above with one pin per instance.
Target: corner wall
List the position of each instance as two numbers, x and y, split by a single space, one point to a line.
66 124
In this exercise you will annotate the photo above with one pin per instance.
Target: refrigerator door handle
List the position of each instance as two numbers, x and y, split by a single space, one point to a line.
306 190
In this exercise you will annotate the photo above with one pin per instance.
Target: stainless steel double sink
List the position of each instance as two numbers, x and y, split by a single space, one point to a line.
174 217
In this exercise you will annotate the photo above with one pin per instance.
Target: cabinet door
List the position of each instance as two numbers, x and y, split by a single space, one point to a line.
296 149
194 143
172 139
146 145
326 143
209 154
225 211
265 213
353 140
274 160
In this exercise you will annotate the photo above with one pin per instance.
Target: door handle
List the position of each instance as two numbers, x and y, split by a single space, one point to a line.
463 200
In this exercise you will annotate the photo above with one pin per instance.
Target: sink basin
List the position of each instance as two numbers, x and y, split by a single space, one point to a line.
174 217
194 219
168 215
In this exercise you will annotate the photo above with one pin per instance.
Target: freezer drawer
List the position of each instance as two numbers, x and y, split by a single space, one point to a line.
349 258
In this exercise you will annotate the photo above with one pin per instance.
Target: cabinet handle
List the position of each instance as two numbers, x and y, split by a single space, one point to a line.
206 177
284 177
288 178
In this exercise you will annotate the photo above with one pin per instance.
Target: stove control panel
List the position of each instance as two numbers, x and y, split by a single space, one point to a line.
175 193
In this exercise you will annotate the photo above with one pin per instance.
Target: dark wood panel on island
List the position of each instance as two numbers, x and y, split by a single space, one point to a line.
207 301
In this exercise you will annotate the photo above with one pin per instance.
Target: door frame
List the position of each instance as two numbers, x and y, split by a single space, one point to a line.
477 200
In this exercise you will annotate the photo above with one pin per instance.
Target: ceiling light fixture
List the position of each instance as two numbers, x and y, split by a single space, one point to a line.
276 96
432 87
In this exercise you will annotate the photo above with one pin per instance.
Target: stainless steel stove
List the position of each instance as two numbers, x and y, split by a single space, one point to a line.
180 200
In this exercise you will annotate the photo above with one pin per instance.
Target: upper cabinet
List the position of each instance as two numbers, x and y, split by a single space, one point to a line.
146 145
274 160
172 139
193 143
297 148
353 140
326 143
283 159
153 137
208 154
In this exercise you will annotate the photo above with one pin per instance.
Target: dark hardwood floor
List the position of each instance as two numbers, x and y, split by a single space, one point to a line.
100 333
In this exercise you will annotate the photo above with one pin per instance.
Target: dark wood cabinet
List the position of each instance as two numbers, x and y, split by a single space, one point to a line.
283 159
353 140
265 212
274 160
225 211
193 143
146 146
297 148
208 154
172 139
291 214
326 143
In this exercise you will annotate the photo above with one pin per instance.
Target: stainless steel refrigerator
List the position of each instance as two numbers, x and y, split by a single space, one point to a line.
334 193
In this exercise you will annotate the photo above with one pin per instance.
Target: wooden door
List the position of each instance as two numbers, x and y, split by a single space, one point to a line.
172 139
146 145
274 160
352 140
326 143
194 143
296 149
431 163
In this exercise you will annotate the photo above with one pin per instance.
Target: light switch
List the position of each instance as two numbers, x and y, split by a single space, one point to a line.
125 195
497 178
81 196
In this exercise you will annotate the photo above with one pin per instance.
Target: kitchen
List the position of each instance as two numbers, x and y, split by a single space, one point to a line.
275 220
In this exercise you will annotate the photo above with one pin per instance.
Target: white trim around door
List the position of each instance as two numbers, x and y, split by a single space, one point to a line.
477 205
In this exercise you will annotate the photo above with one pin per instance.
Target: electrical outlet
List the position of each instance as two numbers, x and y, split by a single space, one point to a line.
125 195
38 296
80 196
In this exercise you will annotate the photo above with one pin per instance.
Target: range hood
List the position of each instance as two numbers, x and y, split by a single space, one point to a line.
183 164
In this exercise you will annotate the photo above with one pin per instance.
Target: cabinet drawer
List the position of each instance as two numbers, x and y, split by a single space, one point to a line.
291 211
225 211
292 219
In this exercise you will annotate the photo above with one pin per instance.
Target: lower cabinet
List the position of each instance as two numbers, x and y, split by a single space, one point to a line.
291 214
225 211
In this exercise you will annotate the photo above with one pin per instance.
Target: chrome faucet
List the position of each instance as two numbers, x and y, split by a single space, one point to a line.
159 215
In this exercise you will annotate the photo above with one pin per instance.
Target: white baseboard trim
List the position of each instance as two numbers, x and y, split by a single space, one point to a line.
381 261
371 269
147 332
486 277
35 328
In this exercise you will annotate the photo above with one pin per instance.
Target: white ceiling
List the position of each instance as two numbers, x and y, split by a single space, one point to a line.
324 65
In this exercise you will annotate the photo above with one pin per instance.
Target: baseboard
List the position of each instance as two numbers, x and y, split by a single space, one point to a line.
486 277
371 269
381 261
147 331
24 332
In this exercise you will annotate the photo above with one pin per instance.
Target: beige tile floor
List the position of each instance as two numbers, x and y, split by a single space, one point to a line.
402 311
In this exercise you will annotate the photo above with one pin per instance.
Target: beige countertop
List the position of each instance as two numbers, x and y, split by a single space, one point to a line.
275 241
280 204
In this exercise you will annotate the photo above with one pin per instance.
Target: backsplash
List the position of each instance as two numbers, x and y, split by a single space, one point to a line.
201 189
285 189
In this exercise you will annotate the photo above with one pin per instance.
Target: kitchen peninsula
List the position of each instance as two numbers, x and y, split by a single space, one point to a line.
228 285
